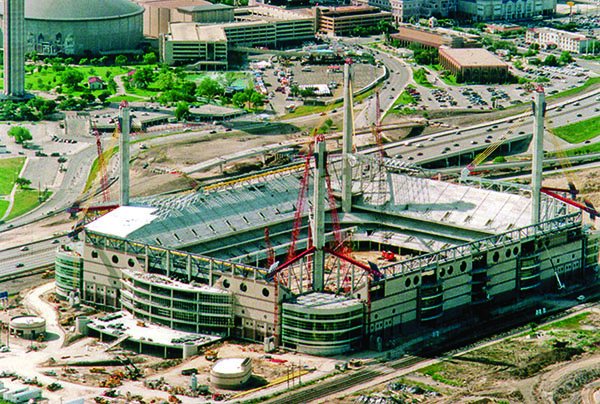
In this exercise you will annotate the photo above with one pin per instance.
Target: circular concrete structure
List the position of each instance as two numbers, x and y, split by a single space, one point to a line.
29 327
80 27
231 373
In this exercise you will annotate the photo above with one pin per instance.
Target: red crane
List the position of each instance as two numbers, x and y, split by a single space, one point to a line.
101 166
270 252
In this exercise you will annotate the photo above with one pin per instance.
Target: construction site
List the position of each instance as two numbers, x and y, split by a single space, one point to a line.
340 254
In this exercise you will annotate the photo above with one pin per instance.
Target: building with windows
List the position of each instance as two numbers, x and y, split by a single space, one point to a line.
432 37
68 270
208 45
550 38
494 10
473 64
405 10
341 21
159 14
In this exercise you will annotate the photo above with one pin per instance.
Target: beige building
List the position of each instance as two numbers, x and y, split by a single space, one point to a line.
563 40
341 21
259 26
158 14
473 64
190 42
432 37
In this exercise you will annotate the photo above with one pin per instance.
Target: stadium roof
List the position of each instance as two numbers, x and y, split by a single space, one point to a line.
418 214
79 9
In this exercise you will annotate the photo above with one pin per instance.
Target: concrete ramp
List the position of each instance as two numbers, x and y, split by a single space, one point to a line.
117 342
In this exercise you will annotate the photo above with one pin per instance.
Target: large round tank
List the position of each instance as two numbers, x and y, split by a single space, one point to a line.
29 327
78 27
231 373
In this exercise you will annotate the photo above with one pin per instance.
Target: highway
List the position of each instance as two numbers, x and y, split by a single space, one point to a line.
28 257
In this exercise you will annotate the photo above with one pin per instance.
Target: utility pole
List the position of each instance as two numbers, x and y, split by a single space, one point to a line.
539 110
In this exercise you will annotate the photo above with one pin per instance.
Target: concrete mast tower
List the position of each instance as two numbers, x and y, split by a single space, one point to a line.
14 48
124 153
318 229
347 147
539 111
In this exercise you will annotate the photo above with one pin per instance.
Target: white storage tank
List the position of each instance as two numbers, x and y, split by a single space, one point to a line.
231 373
29 327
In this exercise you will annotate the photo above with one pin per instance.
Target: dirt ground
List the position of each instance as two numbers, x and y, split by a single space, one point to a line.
558 363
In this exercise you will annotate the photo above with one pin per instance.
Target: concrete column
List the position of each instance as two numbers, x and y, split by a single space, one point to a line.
348 130
13 28
539 110
319 215
124 154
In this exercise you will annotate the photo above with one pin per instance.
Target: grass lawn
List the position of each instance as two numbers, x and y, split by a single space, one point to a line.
3 206
107 154
579 131
420 77
9 171
588 149
588 83
450 79
129 98
48 78
570 323
404 99
25 200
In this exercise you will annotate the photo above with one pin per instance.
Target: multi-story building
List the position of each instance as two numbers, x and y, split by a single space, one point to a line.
548 38
490 10
433 37
158 14
404 10
341 21
207 45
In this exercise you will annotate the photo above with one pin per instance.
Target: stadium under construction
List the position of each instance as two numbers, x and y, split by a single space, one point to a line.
406 261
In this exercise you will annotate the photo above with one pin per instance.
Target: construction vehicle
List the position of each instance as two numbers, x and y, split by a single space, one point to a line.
54 386
132 371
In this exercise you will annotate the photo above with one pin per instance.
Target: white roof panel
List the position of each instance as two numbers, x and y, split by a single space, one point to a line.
123 221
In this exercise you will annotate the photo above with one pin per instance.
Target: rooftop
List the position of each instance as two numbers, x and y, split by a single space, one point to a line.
472 57
122 324
157 279
324 301
192 32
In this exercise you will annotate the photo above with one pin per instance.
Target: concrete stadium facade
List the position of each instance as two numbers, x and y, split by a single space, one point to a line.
436 290
82 27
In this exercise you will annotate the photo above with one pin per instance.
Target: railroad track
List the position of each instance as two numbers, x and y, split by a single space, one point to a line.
342 383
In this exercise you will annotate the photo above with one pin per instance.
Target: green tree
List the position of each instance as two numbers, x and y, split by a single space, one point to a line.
565 58
120 60
48 107
69 61
499 159
103 96
257 100
144 76
22 182
550 61
71 77
84 61
165 80
240 99
20 134
182 111
150 58
209 88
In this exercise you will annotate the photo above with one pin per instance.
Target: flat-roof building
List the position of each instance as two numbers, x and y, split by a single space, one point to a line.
207 45
499 10
549 38
432 37
473 64
341 21
158 14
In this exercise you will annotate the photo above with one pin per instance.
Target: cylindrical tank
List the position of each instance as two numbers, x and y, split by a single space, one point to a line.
189 350
30 327
231 373
81 323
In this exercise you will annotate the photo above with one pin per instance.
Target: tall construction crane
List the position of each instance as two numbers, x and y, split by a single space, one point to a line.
101 165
